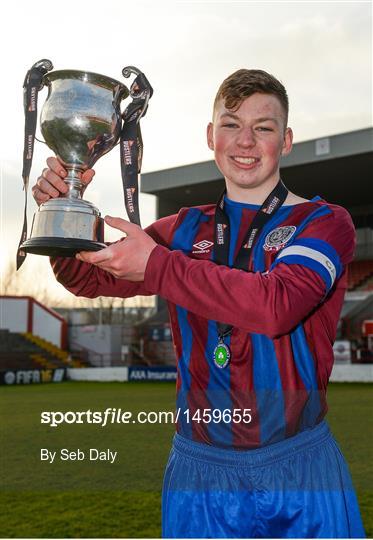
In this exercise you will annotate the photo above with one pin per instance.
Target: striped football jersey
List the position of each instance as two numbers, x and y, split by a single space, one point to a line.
284 311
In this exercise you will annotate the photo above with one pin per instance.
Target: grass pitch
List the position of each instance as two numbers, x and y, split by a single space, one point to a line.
98 499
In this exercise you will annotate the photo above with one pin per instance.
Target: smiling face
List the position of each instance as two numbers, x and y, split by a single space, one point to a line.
248 143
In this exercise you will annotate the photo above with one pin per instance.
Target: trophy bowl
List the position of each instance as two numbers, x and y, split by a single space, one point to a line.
80 121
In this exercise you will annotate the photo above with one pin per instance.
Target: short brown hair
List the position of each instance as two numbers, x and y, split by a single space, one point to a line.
246 82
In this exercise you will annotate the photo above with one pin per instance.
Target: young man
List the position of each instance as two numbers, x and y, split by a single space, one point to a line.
254 317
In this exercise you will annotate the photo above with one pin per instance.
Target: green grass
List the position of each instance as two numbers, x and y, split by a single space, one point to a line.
90 499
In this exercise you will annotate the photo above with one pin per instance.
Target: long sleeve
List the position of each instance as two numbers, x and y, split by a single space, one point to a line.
83 279
268 304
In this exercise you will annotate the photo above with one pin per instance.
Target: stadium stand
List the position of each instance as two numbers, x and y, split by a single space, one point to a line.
368 285
360 274
26 351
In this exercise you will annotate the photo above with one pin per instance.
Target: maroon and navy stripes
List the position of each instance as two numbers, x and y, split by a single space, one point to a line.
276 378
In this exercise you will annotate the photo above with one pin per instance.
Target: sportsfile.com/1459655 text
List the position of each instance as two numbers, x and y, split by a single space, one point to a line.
118 416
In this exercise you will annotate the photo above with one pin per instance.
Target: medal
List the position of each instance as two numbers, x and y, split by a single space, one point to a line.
222 355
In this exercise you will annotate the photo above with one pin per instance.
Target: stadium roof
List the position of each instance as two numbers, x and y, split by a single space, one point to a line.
338 168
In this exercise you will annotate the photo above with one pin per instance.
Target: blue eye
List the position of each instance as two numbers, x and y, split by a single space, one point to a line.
229 125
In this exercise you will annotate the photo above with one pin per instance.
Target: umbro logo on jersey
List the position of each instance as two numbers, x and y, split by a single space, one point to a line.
203 246
276 239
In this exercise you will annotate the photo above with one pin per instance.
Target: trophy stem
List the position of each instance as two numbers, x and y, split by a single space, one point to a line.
73 181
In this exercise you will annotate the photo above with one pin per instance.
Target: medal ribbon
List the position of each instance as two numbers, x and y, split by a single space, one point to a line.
31 87
131 146
222 236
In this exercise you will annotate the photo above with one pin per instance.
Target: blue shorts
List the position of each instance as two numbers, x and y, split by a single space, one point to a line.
297 488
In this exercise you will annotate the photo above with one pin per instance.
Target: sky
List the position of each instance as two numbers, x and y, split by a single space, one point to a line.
321 51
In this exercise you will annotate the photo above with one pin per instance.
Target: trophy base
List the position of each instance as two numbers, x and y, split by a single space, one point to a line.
62 227
59 247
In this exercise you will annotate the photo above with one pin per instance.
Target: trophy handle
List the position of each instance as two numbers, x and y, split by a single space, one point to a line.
135 91
32 84
44 65
126 71
131 141
120 93
40 140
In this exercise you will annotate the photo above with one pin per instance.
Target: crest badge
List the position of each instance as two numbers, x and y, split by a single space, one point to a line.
276 239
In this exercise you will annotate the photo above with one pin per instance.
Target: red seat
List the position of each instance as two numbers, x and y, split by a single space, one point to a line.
358 273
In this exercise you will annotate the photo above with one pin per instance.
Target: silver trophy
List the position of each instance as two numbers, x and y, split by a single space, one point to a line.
80 121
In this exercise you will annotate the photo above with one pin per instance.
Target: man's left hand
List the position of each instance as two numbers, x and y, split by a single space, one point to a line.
127 258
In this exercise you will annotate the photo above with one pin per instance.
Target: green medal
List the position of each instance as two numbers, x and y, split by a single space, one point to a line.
222 354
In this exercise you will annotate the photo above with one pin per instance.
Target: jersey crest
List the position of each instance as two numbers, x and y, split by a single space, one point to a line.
278 238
